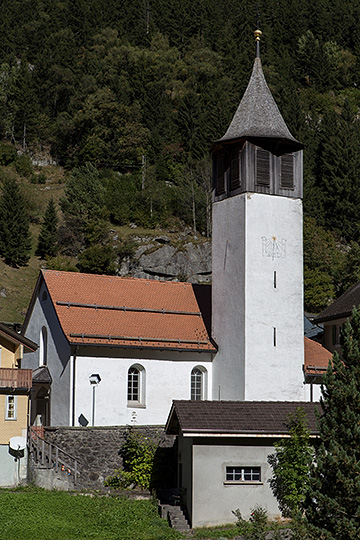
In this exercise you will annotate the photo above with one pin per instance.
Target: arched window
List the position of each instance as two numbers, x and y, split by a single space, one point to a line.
198 384
136 385
43 347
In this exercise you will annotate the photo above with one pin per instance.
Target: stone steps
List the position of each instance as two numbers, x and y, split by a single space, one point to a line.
176 517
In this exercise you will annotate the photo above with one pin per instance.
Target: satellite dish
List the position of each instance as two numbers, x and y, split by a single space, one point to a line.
17 443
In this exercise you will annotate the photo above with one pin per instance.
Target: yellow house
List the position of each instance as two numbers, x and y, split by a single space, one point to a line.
15 387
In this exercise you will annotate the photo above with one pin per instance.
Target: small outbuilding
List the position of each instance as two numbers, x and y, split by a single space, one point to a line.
223 450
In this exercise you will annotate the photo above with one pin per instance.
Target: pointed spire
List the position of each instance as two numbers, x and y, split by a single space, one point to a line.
258 117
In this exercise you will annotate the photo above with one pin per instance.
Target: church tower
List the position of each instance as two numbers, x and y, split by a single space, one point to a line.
257 268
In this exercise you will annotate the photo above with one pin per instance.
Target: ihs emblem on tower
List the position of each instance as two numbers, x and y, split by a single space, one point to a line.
273 247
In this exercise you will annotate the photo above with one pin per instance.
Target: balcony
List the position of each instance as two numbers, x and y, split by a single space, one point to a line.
15 379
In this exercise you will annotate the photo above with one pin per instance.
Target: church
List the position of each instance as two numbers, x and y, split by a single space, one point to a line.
117 351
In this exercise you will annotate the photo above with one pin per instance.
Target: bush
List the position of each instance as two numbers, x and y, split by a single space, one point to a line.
24 166
138 453
256 527
97 260
7 153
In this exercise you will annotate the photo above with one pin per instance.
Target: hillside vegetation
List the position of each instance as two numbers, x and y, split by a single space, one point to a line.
127 97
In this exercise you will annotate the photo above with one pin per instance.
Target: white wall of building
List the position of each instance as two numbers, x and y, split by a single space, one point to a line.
213 502
257 314
12 473
166 376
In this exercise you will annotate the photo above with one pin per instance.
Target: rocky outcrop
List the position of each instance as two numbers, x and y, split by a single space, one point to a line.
160 258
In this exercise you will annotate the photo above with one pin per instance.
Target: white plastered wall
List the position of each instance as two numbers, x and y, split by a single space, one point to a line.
166 376
213 502
254 236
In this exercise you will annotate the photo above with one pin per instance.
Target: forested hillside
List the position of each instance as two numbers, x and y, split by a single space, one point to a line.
128 95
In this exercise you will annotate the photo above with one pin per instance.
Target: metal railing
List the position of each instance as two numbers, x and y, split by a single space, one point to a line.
16 378
50 456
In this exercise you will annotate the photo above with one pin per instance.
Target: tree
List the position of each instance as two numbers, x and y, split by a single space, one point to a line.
15 239
48 237
332 506
97 260
290 464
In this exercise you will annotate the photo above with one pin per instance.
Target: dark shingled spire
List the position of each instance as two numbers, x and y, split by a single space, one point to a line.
258 117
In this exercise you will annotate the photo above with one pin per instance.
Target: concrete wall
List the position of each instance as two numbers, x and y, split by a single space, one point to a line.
12 472
254 236
165 376
213 497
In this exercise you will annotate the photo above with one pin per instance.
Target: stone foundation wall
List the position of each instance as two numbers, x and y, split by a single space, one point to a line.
97 449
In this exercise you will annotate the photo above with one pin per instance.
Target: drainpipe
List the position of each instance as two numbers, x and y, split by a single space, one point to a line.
72 386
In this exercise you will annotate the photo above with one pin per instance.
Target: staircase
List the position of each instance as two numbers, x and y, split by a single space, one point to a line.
175 516
50 466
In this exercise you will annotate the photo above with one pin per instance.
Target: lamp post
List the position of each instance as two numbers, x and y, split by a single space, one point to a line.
94 380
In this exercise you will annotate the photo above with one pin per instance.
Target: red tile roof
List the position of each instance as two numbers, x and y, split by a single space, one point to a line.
237 417
316 358
117 311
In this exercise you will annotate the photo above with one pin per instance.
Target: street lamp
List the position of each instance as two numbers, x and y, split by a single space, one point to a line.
94 380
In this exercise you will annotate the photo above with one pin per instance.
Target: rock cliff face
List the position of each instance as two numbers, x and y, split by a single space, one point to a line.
162 258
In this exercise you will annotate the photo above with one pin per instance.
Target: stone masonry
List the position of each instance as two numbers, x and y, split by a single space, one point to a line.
97 449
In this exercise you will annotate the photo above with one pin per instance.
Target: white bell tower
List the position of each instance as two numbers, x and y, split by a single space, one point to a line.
257 269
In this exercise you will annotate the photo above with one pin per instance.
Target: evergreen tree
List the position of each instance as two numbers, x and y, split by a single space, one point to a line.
332 507
290 464
15 239
48 237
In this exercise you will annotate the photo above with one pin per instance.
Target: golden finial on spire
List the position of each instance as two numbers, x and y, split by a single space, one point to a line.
257 35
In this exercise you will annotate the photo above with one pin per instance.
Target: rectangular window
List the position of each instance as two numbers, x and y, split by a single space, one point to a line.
274 279
10 408
274 337
243 474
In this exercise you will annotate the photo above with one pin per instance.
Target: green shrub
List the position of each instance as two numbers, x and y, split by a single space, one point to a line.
97 259
257 526
7 153
138 453
24 166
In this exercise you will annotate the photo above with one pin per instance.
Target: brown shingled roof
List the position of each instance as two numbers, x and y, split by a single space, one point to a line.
316 358
343 306
14 337
117 311
237 417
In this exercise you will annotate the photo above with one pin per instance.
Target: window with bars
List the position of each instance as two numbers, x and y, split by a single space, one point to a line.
197 384
133 384
243 474
10 408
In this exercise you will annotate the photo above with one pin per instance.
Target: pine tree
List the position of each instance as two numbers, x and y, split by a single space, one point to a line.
48 237
332 507
15 239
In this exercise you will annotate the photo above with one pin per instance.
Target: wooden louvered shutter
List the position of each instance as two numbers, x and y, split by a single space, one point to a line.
262 167
287 171
234 170
220 175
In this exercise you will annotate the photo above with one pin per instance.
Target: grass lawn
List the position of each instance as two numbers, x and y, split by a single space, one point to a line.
33 514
